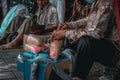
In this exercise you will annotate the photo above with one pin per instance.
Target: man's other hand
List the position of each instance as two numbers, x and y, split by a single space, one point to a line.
58 35
62 26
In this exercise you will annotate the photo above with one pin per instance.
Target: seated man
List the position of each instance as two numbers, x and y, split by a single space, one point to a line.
91 38
46 15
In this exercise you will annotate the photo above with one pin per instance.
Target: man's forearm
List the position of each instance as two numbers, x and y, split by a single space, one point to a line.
77 24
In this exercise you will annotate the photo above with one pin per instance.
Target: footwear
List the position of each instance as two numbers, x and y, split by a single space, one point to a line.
13 44
3 38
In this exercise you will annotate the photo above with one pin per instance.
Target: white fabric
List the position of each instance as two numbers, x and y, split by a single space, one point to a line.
59 4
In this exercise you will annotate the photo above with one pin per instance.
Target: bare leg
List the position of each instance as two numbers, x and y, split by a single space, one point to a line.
14 43
3 38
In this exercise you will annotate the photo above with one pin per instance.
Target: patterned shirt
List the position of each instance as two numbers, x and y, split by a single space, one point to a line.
95 24
47 15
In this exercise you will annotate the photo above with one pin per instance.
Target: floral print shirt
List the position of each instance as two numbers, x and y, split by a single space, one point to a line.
95 24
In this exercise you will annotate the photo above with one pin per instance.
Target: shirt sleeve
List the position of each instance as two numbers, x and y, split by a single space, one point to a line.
78 23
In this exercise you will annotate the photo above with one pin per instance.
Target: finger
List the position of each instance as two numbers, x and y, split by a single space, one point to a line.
56 37
63 26
53 35
52 38
59 26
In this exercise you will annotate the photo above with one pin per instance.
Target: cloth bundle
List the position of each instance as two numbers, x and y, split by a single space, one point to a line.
35 43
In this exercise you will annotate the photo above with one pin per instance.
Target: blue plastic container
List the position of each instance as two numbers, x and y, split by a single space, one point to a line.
24 65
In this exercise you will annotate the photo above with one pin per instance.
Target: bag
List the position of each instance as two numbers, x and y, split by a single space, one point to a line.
34 48
35 43
37 39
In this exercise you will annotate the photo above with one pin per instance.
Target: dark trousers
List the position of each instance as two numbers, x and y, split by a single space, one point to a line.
89 50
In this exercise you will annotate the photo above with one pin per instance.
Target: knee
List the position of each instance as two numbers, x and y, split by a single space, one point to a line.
84 40
84 44
18 18
28 20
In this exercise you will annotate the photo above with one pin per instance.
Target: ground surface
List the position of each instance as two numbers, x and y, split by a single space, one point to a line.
8 67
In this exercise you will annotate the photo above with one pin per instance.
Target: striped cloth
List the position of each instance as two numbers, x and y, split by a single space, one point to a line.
8 4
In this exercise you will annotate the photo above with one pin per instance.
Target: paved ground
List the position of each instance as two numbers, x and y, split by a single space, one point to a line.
8 67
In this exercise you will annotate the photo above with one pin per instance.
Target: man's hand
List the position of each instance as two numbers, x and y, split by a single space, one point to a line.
58 35
62 26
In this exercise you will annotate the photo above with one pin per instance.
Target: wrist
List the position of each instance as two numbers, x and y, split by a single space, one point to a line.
64 33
